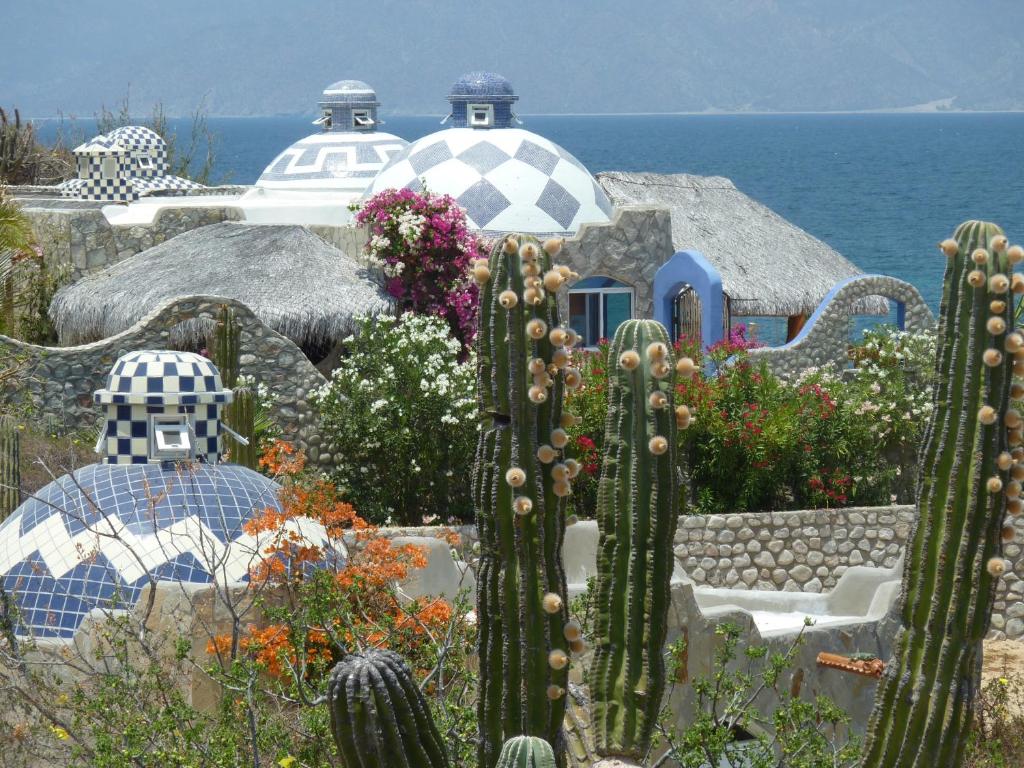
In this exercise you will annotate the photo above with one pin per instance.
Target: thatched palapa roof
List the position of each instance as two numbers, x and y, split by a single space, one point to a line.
768 265
292 280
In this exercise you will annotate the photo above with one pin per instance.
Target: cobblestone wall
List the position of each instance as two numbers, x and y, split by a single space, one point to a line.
58 382
84 239
826 336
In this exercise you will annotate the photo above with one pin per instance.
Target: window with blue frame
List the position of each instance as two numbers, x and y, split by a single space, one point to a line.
597 306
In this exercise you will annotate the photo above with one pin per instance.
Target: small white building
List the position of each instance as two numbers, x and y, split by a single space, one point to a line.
121 166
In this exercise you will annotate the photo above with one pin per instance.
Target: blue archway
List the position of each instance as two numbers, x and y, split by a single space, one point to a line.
691 268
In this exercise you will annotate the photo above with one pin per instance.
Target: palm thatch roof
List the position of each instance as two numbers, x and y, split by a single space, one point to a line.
292 280
768 265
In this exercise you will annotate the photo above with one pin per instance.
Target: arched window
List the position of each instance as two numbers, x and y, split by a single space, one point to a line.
597 306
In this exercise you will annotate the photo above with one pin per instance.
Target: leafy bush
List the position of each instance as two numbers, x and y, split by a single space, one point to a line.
423 245
758 442
400 412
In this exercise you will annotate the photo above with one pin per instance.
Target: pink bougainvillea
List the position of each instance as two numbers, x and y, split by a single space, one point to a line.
422 244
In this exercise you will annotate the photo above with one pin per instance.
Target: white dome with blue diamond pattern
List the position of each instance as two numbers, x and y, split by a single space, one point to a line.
507 179
91 539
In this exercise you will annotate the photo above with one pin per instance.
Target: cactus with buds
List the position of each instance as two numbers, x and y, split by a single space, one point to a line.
526 752
637 513
379 718
10 468
520 484
923 705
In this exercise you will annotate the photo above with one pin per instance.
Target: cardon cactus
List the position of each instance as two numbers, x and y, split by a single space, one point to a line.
241 415
226 348
971 474
379 718
10 468
637 513
526 752
521 481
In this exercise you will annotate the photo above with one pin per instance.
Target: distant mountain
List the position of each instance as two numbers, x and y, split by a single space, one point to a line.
260 57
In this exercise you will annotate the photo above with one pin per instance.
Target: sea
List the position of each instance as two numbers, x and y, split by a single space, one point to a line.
882 189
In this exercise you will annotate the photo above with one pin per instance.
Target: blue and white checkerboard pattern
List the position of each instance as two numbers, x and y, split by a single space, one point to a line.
482 88
139 168
345 162
91 540
142 384
508 180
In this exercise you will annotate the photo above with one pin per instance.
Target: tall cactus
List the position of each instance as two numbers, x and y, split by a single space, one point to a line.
242 419
969 480
226 349
379 718
10 468
637 513
240 413
521 482
526 752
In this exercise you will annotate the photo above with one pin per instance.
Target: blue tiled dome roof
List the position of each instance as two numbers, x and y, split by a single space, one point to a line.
507 180
90 539
481 84
349 90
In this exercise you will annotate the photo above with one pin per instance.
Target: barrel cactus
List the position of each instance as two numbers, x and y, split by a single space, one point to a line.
521 481
379 718
10 468
526 752
637 512
970 477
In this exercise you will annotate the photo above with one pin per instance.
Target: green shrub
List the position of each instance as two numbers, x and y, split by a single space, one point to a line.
400 414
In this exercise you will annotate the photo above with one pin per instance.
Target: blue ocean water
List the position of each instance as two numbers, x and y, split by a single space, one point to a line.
883 189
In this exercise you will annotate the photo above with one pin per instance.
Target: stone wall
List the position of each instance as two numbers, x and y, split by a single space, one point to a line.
80 235
826 336
58 382
629 248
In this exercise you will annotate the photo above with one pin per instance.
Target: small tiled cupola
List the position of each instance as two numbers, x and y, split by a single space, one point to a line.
162 406
348 105
482 100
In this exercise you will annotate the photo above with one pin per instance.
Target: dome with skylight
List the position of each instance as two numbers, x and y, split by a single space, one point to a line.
507 178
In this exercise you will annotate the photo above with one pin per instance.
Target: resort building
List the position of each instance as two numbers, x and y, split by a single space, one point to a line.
121 166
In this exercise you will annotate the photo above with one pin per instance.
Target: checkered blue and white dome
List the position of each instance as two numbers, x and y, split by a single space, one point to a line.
343 161
92 539
163 377
507 179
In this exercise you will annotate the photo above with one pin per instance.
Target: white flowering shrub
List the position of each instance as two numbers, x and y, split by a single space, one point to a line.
400 411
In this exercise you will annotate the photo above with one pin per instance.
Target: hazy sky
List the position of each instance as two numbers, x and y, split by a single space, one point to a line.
251 57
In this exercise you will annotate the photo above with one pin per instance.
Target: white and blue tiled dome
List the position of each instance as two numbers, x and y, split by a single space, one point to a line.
92 539
346 155
507 179
159 506
149 389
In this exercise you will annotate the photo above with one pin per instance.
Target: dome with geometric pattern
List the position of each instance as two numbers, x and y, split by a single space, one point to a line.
348 152
507 179
93 539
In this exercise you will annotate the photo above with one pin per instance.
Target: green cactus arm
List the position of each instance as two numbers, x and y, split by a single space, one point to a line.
637 513
923 703
10 468
521 609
